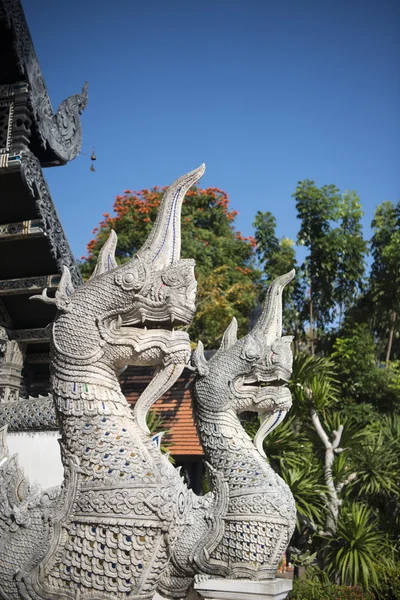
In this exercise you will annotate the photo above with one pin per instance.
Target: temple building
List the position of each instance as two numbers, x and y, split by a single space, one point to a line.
33 244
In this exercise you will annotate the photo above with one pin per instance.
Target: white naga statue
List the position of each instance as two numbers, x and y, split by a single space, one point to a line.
124 525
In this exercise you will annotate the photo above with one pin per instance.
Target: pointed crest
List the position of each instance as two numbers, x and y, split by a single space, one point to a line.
230 335
199 360
65 289
270 321
64 292
106 259
164 242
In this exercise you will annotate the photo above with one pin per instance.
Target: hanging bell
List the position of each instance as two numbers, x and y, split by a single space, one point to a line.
93 157
92 168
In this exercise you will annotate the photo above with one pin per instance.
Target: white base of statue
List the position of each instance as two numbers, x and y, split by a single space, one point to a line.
191 596
243 589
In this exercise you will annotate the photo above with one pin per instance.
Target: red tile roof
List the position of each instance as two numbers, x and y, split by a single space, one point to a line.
175 409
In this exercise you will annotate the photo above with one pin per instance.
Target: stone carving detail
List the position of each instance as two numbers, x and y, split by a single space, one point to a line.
61 131
33 177
32 414
124 524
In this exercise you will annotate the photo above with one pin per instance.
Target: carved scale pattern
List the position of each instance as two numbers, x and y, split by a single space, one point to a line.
261 514
33 414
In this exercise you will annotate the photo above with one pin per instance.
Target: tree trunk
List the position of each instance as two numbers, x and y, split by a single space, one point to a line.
311 328
330 447
390 342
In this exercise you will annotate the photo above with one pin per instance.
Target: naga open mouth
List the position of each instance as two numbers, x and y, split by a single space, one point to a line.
259 379
152 315
260 395
262 384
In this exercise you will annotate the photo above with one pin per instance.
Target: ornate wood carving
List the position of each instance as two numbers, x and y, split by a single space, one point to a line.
61 132
33 178
28 285
16 231
31 336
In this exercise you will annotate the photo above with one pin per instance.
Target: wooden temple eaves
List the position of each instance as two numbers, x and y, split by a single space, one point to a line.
33 245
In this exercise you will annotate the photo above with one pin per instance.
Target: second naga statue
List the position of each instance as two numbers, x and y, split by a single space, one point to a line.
124 524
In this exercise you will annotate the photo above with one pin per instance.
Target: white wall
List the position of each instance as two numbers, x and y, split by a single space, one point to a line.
38 455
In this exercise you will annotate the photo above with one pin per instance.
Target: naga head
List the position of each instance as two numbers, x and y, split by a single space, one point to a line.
250 374
128 313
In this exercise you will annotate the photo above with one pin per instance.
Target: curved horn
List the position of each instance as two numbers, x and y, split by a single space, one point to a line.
270 321
164 242
106 259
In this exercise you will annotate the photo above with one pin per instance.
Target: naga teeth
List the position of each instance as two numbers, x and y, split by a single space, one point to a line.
145 328
173 332
143 318
172 317
119 322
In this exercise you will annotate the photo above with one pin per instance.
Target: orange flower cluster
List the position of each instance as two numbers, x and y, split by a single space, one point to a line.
244 270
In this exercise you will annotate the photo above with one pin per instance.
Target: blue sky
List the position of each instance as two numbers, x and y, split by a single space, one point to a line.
266 93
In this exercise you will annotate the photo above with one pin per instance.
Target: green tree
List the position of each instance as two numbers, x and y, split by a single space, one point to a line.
334 267
225 268
385 271
316 208
351 252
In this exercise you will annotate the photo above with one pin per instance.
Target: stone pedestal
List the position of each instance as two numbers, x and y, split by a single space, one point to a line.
242 589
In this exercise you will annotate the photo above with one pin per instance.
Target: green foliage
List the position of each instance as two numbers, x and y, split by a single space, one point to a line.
334 267
309 491
314 384
388 585
351 251
362 380
225 268
385 271
351 552
377 469
354 355
316 586
316 208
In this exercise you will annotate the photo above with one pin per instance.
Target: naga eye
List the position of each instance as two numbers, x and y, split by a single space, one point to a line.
129 278
251 353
